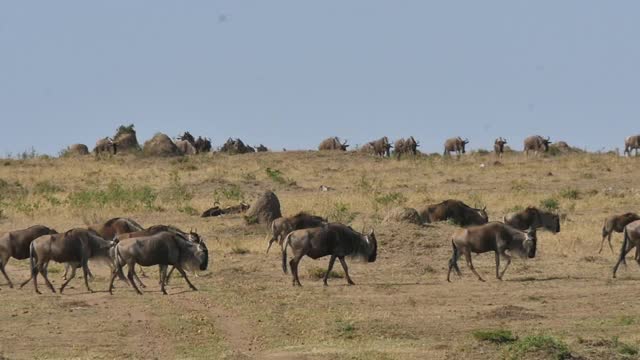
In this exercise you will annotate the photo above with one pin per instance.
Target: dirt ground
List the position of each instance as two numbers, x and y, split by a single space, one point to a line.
401 308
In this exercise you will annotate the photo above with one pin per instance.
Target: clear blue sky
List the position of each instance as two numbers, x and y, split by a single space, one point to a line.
290 73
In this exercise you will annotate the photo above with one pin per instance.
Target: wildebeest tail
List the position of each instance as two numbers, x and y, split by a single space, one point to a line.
32 259
604 229
284 253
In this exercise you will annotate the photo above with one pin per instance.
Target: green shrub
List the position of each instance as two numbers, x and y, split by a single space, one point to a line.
278 177
544 347
345 329
550 204
499 336
340 213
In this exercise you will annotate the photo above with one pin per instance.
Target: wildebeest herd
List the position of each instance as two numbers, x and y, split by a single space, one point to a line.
121 242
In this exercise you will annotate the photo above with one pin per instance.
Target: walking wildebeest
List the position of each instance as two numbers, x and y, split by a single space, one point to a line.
533 217
380 147
406 146
456 145
202 145
455 210
282 226
336 240
494 236
16 244
162 249
631 143
631 239
616 223
75 246
498 146
537 144
105 145
333 143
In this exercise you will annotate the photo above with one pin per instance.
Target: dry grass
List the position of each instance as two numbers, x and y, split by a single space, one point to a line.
401 307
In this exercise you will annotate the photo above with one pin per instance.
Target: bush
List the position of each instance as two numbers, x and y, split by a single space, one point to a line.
550 204
543 346
499 336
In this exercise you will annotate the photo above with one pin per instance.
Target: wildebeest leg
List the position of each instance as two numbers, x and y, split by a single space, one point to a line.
2 264
326 276
623 254
130 276
498 265
346 270
504 255
43 271
166 280
163 276
66 271
293 264
86 272
69 278
467 256
273 239
602 243
184 275
113 278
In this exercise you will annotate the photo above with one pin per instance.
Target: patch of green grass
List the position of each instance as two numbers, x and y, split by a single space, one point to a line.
189 210
570 193
542 346
345 329
499 336
550 204
228 192
626 320
341 213
319 273
115 195
278 177
624 348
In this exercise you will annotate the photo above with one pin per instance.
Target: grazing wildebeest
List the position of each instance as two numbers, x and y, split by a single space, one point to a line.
186 136
162 249
333 143
537 144
631 143
616 223
631 236
105 145
203 145
406 146
498 146
16 244
494 236
216 210
533 217
336 240
75 246
455 210
456 145
185 147
380 147
282 226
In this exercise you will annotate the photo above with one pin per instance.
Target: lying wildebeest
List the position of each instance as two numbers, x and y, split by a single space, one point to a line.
537 144
282 226
498 146
162 249
75 247
16 244
333 143
631 239
336 240
456 145
456 211
216 210
533 217
406 146
616 223
631 143
494 236
202 145
105 145
380 147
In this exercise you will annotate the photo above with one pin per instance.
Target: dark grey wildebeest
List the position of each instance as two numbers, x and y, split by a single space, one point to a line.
75 247
494 236
333 143
537 144
456 211
335 240
456 145
498 146
15 244
162 249
408 146
282 226
631 240
616 223
631 143
532 217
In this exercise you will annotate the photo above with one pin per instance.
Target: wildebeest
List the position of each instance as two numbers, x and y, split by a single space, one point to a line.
533 217
185 147
380 147
216 210
456 211
162 249
333 143
537 144
631 239
261 148
498 146
494 236
75 247
16 244
115 226
456 145
631 143
336 240
616 223
186 136
203 145
236 146
282 226
105 145
406 146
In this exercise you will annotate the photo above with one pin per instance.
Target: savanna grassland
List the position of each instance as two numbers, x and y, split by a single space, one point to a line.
561 304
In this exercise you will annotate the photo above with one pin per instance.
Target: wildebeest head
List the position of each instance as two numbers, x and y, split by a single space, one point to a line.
546 142
550 221
530 243
463 144
481 216
344 146
373 242
199 257
186 136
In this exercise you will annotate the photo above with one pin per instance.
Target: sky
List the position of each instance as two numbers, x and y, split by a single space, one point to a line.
291 73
